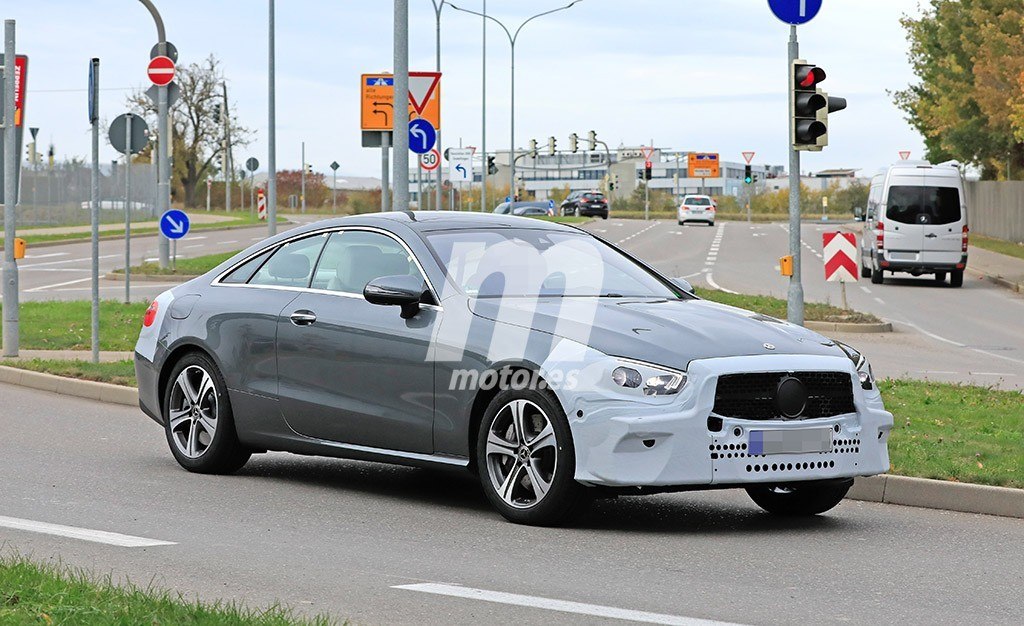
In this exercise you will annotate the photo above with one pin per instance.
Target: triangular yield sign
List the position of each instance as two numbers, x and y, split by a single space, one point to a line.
421 88
647 152
749 156
904 154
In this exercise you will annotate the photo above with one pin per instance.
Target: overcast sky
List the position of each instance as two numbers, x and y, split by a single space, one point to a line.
706 75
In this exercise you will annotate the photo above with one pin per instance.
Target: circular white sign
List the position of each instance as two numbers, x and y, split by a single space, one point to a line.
431 160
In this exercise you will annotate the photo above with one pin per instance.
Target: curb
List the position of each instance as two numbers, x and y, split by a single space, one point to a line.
64 242
88 389
940 494
849 327
151 278
998 280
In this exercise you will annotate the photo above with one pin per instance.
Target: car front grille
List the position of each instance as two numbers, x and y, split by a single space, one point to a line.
753 396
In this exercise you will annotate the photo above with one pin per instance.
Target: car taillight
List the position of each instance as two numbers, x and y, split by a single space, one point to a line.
879 235
150 316
963 241
712 208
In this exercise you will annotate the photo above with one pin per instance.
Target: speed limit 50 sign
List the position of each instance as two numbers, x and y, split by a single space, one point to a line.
431 160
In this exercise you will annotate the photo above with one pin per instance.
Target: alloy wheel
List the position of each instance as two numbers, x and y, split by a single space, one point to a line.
521 453
193 411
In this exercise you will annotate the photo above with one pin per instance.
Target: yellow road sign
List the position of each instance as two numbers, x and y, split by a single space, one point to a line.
703 165
377 97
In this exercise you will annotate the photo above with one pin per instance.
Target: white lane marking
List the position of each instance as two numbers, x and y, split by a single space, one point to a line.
864 289
197 238
236 241
54 269
693 274
990 374
714 285
46 256
879 300
256 239
85 534
198 245
120 288
82 260
563 606
638 233
45 287
936 372
957 343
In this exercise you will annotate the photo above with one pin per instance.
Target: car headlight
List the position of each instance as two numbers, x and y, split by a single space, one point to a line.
861 364
652 379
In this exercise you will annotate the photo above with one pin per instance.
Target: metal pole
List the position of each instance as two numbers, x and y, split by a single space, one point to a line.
252 194
302 178
334 193
94 212
483 111
10 274
229 165
400 121
419 186
647 199
271 133
795 302
677 177
163 161
437 58
385 172
127 209
512 137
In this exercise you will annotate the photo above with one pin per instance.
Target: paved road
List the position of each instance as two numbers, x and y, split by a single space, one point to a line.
972 334
340 536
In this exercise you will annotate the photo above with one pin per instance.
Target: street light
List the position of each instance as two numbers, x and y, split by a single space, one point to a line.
437 191
512 38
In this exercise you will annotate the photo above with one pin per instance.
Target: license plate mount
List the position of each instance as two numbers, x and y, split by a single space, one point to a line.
790 441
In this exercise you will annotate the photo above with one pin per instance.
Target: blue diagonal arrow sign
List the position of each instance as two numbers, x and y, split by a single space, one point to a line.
422 136
174 224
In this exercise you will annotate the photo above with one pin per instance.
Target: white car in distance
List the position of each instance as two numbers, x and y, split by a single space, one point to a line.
697 209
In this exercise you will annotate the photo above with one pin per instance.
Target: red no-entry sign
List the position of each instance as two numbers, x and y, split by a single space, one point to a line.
160 70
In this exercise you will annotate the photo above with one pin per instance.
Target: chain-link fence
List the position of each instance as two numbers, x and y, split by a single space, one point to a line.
61 195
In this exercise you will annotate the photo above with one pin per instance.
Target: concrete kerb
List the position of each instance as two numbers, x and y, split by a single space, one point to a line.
998 280
849 327
151 278
91 390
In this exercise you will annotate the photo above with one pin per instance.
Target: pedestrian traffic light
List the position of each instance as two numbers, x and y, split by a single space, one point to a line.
533 147
748 176
551 146
492 169
574 143
810 106
647 170
592 139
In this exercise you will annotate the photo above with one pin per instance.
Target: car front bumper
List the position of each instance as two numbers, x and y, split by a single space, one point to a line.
620 443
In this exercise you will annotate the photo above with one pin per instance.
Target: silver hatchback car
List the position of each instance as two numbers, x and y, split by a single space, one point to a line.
555 366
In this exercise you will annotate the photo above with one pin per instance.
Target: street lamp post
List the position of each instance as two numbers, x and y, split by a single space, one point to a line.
163 160
512 38
437 15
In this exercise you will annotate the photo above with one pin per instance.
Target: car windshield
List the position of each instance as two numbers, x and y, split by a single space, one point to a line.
541 263
593 196
923 205
697 201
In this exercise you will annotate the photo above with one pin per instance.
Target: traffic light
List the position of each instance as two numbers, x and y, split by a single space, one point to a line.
748 176
492 169
216 113
309 169
647 170
592 140
50 155
811 106
574 143
533 147
551 146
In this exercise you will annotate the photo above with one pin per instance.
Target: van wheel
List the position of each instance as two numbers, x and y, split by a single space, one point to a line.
865 272
956 278
940 277
876 277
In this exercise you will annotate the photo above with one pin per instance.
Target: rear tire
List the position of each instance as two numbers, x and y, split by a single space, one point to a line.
876 277
526 459
940 277
865 272
956 278
198 421
682 223
796 500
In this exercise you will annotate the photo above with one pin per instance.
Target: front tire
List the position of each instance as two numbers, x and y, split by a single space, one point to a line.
199 425
527 461
576 212
796 500
865 272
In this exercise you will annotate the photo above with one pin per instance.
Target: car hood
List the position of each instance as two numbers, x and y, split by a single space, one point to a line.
661 331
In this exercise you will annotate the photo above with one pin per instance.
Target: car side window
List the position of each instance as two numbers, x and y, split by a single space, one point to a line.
353 258
292 264
241 274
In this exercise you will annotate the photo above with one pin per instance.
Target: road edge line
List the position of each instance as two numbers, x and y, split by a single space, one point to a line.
87 389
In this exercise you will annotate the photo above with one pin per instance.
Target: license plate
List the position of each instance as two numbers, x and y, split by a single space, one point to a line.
801 441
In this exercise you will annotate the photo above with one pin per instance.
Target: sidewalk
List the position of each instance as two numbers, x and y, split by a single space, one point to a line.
1005 270
196 218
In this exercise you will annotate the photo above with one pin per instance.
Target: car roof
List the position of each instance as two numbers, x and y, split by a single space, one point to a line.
425 221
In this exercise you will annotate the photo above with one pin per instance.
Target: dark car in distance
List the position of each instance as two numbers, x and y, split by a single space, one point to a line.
585 204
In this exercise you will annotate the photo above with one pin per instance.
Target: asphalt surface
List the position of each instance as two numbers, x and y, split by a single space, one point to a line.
334 536
972 334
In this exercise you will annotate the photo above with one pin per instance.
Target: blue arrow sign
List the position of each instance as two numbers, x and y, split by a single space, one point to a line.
795 11
174 224
422 136
460 169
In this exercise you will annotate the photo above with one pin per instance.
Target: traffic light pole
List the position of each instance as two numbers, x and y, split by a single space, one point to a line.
795 301
10 164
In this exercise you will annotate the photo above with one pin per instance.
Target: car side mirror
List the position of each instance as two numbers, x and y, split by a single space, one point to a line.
858 214
404 291
683 284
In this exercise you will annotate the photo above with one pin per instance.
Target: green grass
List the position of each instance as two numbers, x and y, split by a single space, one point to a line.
183 267
1002 246
31 593
66 325
563 219
956 432
115 373
776 307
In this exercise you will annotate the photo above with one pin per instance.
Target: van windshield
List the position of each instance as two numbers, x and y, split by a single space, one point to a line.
923 205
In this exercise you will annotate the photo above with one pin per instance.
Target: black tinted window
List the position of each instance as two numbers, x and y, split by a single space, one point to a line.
923 205
697 201
244 272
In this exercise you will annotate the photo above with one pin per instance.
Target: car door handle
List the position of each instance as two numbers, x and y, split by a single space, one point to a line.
931 235
303 318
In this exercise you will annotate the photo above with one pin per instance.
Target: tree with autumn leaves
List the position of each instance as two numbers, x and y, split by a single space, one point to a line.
969 102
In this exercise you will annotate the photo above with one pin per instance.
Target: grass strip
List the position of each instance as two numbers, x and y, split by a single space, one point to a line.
30 239
183 267
1002 246
776 307
32 593
66 325
115 372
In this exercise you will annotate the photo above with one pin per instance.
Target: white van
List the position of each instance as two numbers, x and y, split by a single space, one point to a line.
916 222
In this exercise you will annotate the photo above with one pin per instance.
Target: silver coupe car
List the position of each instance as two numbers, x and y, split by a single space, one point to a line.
555 366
